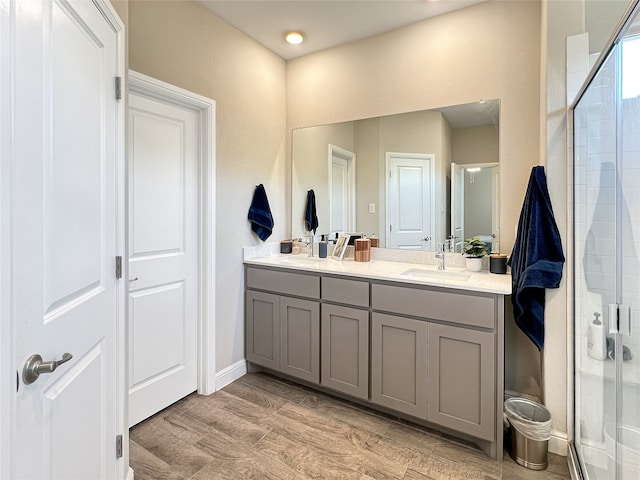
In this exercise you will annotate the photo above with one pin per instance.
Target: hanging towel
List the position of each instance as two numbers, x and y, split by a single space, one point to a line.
260 214
310 217
537 258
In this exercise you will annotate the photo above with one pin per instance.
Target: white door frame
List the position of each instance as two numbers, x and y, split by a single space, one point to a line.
415 156
350 157
206 166
8 366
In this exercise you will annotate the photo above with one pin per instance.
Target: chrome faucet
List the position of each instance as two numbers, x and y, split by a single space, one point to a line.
309 243
440 256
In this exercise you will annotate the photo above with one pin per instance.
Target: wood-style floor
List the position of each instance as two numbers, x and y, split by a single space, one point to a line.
261 427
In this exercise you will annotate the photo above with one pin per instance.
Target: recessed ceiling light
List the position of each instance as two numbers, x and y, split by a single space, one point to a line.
294 38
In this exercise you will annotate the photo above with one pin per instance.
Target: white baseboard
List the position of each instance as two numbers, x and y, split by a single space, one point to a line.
130 474
558 443
231 374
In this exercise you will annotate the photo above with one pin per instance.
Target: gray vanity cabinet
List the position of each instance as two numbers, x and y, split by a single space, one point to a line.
345 336
300 338
432 354
399 364
283 332
345 350
461 386
263 329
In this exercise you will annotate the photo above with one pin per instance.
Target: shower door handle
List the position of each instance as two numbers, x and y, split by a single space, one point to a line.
620 319
613 318
624 320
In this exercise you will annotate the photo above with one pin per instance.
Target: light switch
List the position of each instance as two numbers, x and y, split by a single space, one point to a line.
372 208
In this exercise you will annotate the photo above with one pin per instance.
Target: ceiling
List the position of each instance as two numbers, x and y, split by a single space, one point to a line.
324 23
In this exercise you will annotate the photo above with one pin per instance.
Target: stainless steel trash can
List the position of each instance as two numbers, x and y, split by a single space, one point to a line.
530 428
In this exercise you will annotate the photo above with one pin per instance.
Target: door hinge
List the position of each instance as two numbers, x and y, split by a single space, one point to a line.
390 228
118 446
118 267
118 88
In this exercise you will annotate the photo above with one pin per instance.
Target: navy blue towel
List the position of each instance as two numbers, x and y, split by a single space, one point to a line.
310 217
260 214
537 258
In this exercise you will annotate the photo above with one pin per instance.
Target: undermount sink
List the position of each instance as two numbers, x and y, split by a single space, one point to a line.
300 259
432 274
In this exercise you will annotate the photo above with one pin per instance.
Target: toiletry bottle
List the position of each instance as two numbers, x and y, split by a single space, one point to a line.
596 346
322 247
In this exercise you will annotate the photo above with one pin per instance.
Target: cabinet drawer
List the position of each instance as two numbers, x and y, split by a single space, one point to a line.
466 309
289 283
350 292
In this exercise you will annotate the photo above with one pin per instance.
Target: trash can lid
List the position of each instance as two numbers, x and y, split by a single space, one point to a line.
526 410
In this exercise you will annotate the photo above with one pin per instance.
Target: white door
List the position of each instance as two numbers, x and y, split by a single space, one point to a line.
342 191
409 201
495 211
457 207
65 235
163 254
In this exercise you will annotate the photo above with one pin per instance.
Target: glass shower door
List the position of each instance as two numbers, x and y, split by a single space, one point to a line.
596 251
607 268
627 346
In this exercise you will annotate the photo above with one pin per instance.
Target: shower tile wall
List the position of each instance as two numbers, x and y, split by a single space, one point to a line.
595 181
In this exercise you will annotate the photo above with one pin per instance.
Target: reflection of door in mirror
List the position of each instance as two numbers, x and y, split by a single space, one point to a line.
495 217
342 190
410 223
457 207
473 211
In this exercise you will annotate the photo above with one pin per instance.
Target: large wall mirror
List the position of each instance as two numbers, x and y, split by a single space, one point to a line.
413 179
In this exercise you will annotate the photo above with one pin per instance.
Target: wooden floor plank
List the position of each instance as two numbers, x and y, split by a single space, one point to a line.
265 428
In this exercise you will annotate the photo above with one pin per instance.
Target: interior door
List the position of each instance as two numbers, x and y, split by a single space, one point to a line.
163 254
495 211
457 207
342 197
409 200
65 235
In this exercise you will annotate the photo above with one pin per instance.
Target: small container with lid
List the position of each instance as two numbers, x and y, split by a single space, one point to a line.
362 248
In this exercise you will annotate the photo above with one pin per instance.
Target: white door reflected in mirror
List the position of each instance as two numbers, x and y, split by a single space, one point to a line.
473 212
409 201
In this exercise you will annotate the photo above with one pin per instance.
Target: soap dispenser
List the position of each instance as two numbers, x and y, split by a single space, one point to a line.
596 346
322 247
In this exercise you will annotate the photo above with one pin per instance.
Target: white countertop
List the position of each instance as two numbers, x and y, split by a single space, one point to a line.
412 273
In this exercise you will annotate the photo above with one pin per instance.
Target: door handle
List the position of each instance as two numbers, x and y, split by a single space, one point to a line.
426 239
34 367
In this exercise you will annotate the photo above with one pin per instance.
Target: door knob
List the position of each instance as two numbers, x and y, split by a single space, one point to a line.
34 367
426 239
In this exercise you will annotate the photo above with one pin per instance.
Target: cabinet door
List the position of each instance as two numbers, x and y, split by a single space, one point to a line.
300 338
462 380
263 329
399 364
345 350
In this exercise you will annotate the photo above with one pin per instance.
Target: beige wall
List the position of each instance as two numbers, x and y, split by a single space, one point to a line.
182 43
601 18
367 134
475 144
